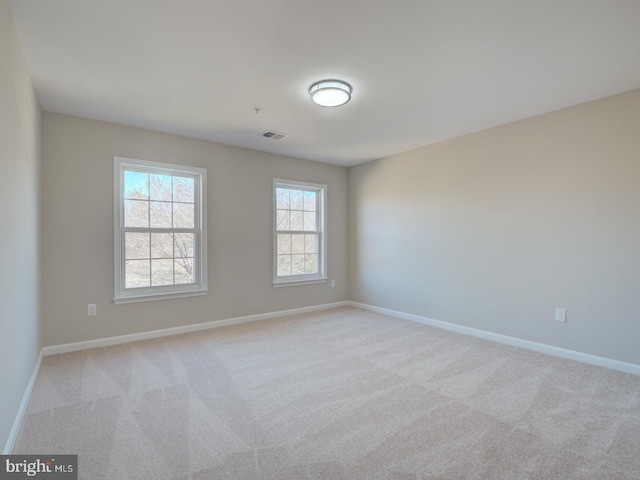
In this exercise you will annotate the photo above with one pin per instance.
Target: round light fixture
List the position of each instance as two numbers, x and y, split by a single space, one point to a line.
330 93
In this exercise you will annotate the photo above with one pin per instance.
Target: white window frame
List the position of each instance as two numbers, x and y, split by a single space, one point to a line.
305 279
123 295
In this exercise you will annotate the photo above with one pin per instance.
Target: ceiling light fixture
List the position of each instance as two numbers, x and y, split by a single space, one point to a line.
330 93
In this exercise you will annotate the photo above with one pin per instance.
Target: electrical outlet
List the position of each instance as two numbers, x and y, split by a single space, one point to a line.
92 310
561 314
333 284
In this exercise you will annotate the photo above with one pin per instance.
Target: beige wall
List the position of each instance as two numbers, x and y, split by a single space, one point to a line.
77 189
19 224
496 229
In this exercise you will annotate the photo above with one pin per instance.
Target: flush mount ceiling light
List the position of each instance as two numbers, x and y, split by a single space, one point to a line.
330 93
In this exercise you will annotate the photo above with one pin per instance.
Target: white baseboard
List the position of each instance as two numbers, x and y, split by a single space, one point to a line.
8 448
515 342
105 342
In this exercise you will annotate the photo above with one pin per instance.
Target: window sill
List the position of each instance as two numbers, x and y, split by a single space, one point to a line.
293 283
159 296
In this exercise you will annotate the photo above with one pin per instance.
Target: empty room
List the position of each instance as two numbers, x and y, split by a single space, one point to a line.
292 240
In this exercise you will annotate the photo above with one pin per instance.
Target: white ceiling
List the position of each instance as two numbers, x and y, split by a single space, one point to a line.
422 70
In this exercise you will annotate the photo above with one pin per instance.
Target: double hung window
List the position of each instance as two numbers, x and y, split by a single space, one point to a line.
159 230
299 232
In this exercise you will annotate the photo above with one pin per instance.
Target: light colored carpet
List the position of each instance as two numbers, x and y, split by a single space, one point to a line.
339 394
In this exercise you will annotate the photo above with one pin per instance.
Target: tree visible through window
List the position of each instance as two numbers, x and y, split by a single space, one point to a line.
159 228
299 231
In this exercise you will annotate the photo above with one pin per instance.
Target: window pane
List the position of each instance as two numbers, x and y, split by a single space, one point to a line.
160 214
183 215
311 263
296 221
183 189
136 245
297 264
284 243
136 213
185 272
310 244
161 245
297 243
282 220
137 273
296 199
161 272
282 198
284 265
136 185
310 201
185 245
160 187
310 222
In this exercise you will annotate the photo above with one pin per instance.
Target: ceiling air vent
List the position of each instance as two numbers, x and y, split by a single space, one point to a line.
273 135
